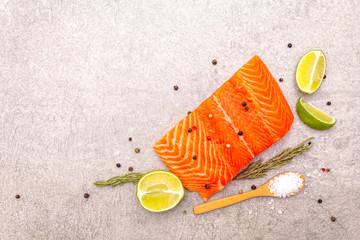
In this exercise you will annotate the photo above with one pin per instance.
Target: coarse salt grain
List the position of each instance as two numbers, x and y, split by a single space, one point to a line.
286 184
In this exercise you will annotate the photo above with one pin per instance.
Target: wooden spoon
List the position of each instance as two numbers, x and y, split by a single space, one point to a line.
223 202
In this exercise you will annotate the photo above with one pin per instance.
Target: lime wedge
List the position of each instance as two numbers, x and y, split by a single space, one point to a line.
310 71
159 191
313 117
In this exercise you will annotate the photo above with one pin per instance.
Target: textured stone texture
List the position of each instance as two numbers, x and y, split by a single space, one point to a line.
76 80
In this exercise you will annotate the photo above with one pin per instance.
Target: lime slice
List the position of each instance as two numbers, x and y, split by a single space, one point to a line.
313 117
310 71
159 191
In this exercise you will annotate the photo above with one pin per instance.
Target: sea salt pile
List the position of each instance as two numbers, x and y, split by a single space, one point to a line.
286 184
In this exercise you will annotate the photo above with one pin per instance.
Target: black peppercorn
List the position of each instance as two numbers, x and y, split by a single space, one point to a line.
207 186
240 133
118 165
189 112
328 103
194 157
244 104
333 219
328 170
17 196
137 150
130 139
253 187
319 201
131 169
176 88
86 195
280 80
324 76
214 62
247 108
189 130
289 45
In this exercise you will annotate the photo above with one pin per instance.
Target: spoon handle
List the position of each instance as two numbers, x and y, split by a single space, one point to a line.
223 202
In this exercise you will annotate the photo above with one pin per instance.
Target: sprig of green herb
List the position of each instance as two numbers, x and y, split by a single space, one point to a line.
259 168
255 169
120 180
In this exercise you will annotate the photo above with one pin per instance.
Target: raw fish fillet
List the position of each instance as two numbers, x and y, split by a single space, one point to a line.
225 136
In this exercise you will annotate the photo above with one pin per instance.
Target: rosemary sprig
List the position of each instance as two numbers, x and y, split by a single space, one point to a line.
120 180
255 169
259 168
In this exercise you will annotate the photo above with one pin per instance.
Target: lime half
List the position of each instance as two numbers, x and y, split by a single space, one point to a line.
313 117
310 71
159 191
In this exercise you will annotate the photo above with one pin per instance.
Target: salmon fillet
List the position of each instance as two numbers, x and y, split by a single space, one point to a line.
213 143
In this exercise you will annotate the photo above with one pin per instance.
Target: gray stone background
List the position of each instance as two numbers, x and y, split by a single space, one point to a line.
78 78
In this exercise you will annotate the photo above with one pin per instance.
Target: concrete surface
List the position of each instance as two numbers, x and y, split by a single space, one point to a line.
77 80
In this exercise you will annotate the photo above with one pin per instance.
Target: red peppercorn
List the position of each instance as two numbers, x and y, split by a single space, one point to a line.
194 127
208 138
323 169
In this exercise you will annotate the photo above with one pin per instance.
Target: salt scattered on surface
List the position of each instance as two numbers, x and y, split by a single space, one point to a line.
308 175
250 212
286 184
279 212
272 207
